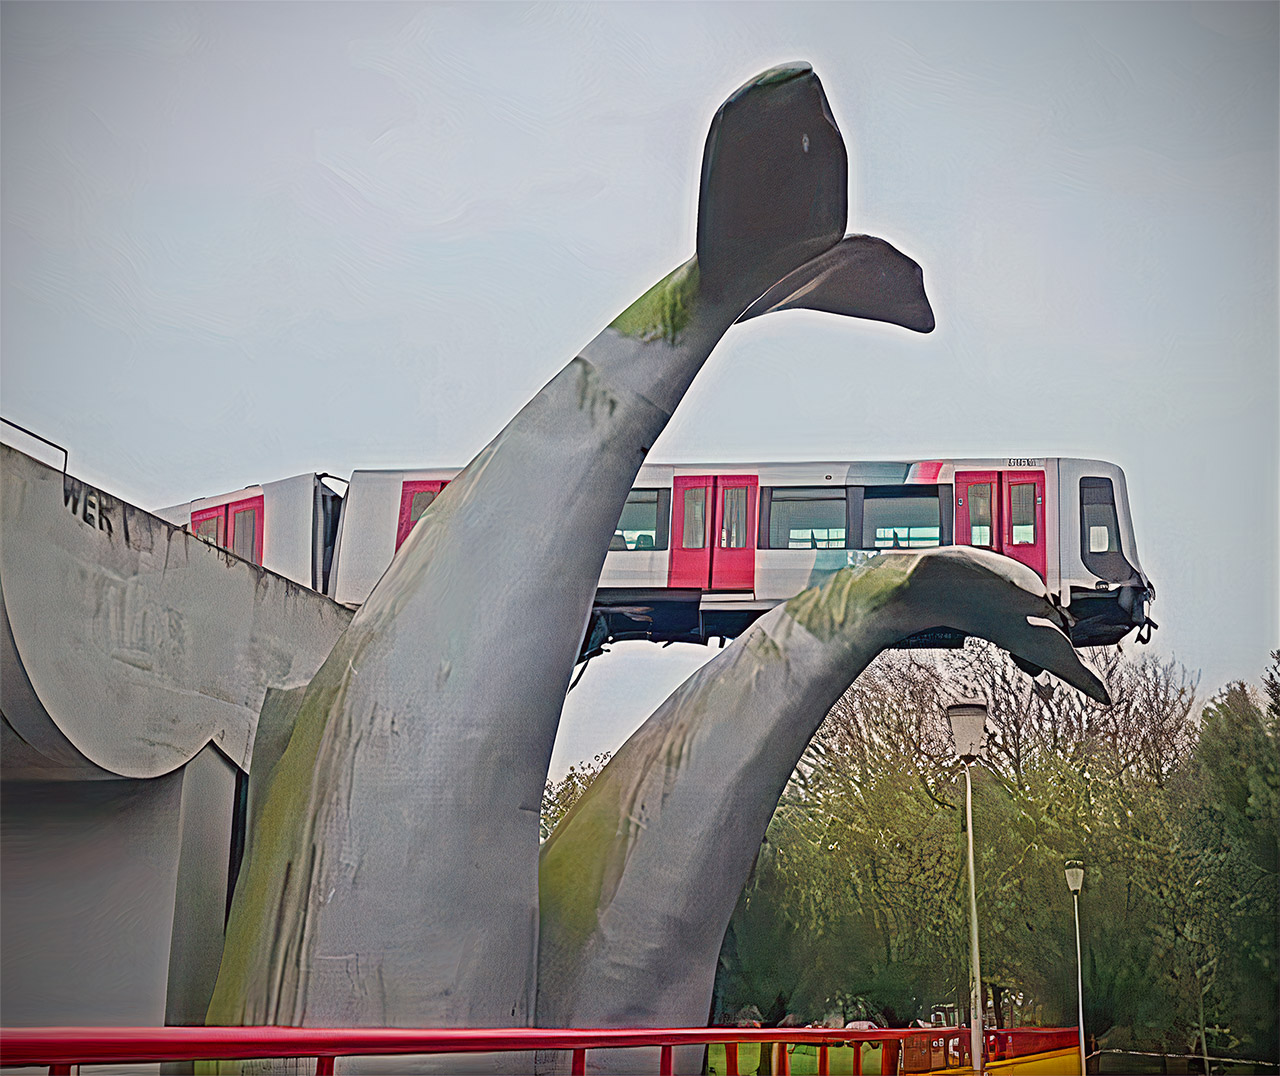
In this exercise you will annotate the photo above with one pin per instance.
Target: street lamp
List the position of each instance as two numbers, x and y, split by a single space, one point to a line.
1075 881
968 730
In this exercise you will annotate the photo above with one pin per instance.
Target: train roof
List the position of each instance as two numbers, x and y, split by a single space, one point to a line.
815 472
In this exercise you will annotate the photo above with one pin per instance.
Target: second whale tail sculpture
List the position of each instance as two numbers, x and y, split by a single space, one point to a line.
640 878
392 873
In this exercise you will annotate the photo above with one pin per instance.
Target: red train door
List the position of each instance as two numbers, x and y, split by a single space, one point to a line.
211 524
733 559
713 531
415 498
691 496
1022 508
238 526
245 527
978 509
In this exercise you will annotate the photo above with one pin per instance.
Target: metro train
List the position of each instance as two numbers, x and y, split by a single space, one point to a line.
701 551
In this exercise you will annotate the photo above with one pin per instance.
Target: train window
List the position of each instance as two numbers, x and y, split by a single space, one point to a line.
209 528
809 518
1098 516
1100 545
236 526
695 518
416 496
980 515
643 523
420 503
1022 512
733 532
901 517
244 533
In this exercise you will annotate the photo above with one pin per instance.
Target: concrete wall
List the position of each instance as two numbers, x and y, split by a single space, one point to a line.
115 896
134 660
141 642
90 873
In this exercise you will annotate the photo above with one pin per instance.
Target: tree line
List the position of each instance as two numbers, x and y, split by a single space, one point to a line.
857 905
857 901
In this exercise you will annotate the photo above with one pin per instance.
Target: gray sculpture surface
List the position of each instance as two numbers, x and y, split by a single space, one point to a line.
639 880
392 874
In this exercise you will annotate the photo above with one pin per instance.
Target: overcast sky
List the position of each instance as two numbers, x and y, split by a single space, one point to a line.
243 241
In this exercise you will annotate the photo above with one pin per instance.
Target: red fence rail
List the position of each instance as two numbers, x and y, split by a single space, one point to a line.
1005 1043
922 1049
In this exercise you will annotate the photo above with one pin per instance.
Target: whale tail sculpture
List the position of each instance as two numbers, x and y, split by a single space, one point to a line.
393 870
774 189
772 206
860 277
640 878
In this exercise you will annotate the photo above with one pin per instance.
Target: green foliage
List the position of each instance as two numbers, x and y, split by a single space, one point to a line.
559 796
663 311
858 900
1237 821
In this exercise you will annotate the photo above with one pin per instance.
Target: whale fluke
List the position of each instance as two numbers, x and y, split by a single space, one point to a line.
775 182
639 880
860 277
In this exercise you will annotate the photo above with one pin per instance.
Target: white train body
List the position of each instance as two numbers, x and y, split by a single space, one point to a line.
701 550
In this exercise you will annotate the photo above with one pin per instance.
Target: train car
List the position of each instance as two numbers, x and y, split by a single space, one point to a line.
289 526
701 550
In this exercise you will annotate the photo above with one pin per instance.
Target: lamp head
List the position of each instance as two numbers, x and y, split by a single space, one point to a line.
968 728
1075 875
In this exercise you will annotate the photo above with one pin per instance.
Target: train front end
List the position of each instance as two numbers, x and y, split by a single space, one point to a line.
1102 583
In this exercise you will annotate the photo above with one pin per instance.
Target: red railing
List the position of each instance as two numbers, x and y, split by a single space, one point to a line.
923 1050
1006 1043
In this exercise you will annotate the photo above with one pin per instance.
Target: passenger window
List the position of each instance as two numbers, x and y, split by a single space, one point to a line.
416 496
695 518
980 515
209 528
1022 512
901 517
807 518
420 503
639 525
236 527
733 533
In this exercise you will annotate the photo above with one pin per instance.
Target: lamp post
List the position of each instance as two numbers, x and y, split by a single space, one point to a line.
1075 881
968 730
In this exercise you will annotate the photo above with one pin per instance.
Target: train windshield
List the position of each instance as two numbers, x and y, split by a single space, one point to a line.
1100 547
